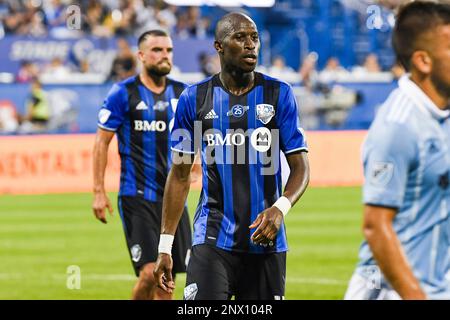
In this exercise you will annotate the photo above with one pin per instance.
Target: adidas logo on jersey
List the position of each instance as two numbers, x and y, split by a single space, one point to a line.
141 106
211 115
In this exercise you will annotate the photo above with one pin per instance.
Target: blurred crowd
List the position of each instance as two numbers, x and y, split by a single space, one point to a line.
123 65
102 18
323 100
129 18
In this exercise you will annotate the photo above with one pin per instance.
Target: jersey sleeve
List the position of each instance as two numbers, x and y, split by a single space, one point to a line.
182 135
291 134
112 113
388 155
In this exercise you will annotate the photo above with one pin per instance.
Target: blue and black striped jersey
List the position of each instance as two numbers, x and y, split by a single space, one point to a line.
141 119
240 138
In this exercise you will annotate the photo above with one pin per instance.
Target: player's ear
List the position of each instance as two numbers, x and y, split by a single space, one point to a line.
218 47
140 55
422 61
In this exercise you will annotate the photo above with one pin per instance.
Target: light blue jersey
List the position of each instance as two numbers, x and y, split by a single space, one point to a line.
406 166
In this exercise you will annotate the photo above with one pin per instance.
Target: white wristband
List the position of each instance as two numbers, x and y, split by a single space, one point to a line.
283 204
165 243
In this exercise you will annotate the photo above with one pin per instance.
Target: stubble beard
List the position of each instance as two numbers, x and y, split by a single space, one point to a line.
155 71
439 81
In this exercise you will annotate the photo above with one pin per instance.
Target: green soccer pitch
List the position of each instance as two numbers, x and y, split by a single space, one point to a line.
42 236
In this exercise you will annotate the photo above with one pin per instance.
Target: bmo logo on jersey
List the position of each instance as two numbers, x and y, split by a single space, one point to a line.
230 139
260 139
155 125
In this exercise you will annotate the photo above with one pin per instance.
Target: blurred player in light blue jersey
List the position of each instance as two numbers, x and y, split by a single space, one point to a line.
406 166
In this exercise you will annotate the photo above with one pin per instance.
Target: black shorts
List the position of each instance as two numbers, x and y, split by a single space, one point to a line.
142 225
217 274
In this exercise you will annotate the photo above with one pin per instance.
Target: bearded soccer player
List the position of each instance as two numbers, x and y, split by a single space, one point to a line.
140 110
242 119
406 166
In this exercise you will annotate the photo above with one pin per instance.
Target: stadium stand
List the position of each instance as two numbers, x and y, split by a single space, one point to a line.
36 41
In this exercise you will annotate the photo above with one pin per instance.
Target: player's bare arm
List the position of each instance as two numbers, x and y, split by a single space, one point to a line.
196 171
270 220
388 252
175 194
101 200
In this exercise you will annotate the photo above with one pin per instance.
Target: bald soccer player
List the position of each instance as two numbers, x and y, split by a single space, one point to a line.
239 119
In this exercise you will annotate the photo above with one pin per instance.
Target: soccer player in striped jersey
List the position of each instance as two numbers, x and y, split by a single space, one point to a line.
141 110
406 167
239 119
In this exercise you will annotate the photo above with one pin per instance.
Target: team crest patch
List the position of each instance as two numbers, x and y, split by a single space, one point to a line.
160 105
381 173
190 291
237 111
103 115
265 112
136 253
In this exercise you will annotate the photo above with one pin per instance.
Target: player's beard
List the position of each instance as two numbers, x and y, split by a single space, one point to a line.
440 83
158 70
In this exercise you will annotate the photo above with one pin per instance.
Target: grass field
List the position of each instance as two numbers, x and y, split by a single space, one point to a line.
41 236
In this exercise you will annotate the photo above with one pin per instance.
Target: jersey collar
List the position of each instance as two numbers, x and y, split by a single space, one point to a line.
259 78
139 82
413 91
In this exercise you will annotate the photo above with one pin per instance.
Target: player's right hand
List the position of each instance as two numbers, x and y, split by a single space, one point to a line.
163 272
101 201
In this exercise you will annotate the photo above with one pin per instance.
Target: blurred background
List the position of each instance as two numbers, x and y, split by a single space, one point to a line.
336 53
61 57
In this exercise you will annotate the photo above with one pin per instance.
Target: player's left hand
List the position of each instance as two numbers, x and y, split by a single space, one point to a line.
268 223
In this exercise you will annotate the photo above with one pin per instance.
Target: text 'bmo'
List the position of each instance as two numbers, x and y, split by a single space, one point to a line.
144 125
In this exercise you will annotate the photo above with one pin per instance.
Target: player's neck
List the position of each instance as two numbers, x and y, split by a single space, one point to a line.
427 86
156 84
237 83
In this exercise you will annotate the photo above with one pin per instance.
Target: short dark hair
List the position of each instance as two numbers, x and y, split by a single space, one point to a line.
412 21
154 32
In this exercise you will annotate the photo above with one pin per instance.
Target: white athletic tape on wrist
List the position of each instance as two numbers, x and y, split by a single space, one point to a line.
165 243
283 204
